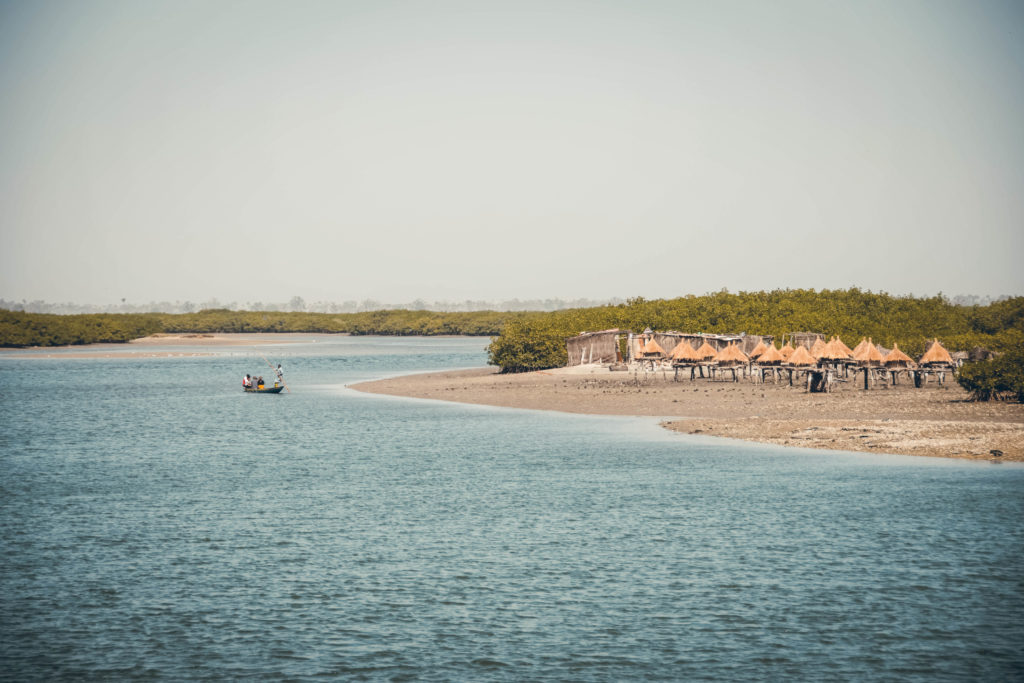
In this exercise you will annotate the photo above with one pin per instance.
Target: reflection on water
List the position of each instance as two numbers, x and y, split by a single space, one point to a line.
156 521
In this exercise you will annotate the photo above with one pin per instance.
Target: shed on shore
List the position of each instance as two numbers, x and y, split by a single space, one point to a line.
595 347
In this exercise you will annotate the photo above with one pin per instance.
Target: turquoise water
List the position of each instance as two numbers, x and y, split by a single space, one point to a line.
157 522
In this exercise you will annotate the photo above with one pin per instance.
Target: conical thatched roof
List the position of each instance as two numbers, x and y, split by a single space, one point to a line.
840 345
652 348
731 354
897 357
758 350
706 351
771 356
818 348
684 352
936 353
859 347
834 350
868 353
801 356
786 351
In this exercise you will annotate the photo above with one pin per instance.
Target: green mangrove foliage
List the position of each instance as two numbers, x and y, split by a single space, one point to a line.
528 343
41 329
999 378
19 329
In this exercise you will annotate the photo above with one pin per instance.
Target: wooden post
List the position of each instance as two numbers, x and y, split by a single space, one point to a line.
866 386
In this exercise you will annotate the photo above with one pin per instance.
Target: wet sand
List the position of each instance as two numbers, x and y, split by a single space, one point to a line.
932 421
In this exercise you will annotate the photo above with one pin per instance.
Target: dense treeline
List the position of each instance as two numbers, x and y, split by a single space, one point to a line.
400 322
19 329
539 342
42 329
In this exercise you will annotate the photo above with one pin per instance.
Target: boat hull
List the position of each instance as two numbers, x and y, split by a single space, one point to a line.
264 390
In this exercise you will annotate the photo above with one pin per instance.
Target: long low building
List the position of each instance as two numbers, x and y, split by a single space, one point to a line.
610 346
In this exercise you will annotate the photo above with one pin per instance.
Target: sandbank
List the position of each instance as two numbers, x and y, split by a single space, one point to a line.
183 345
931 421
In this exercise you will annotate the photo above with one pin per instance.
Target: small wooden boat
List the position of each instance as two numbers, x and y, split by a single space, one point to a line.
264 390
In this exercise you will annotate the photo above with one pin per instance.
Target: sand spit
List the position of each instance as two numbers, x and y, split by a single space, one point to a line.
134 348
218 339
933 421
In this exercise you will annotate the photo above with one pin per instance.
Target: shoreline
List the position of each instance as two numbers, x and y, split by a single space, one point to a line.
119 349
931 421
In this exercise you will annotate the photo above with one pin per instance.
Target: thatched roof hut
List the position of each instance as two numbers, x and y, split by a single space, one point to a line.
786 351
835 350
897 358
840 345
771 356
706 352
859 347
757 350
818 347
936 355
868 354
685 353
651 349
801 356
732 355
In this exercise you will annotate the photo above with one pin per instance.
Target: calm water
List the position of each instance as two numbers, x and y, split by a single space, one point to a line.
156 522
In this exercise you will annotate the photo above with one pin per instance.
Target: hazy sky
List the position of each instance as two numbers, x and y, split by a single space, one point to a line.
252 151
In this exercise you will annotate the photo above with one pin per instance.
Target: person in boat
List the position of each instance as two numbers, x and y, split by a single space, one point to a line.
259 382
280 375
247 382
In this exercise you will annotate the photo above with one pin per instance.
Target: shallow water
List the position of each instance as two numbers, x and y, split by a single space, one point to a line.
155 521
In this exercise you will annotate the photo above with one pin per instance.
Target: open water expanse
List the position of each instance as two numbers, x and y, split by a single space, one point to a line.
157 522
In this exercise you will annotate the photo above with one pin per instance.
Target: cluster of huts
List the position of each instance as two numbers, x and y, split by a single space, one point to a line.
804 356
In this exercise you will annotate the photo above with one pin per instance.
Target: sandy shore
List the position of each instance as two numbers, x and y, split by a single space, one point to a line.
934 421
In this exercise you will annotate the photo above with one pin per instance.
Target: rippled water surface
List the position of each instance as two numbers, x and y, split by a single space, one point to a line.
157 522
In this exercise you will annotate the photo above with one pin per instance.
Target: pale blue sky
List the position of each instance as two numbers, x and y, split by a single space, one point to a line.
252 151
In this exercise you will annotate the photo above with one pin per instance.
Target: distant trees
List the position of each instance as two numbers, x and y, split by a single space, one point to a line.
42 329
19 329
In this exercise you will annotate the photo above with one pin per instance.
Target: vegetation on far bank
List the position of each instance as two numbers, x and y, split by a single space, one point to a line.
19 329
536 340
